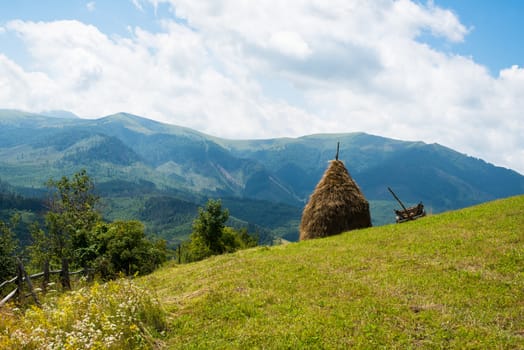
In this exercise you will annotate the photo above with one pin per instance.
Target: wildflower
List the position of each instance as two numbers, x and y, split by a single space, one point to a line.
100 317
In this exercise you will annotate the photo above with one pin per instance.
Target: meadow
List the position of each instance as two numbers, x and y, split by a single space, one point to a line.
453 280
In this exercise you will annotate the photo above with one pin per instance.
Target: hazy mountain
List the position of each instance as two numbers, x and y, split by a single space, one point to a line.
440 177
59 114
160 173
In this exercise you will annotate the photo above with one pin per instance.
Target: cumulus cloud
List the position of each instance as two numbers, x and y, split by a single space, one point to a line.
340 66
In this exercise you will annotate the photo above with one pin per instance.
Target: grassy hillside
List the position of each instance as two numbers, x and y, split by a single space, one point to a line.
454 280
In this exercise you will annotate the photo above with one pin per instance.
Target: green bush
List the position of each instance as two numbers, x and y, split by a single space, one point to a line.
122 247
210 236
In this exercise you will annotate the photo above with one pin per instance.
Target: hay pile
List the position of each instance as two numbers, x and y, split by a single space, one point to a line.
336 205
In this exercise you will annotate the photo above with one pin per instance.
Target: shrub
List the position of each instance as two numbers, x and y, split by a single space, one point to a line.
123 247
210 236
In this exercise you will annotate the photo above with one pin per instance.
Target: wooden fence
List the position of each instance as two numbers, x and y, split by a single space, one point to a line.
22 277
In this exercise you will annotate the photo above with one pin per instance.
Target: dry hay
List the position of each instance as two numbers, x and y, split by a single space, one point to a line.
336 205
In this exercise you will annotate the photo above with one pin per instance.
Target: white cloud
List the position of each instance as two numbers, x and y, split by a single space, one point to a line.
290 44
91 6
349 66
138 5
23 90
410 19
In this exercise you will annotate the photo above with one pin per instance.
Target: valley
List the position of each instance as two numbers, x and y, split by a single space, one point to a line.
160 173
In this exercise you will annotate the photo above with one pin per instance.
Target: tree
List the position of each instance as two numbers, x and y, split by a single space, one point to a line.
73 208
39 251
75 234
210 236
70 221
123 247
206 238
8 248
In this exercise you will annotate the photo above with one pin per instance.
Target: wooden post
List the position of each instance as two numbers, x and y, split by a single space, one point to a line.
338 147
46 278
179 254
64 274
29 284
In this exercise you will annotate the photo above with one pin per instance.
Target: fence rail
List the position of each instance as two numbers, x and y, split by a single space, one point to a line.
22 277
9 296
12 280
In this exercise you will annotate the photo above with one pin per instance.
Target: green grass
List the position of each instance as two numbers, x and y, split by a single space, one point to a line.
454 280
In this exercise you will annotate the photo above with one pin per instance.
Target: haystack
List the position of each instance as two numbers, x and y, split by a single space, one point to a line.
336 205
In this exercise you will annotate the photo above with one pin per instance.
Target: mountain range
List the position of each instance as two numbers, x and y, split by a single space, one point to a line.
161 173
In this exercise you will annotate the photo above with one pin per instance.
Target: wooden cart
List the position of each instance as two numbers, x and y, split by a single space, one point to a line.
407 214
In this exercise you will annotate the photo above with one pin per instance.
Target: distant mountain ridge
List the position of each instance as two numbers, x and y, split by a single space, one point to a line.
124 150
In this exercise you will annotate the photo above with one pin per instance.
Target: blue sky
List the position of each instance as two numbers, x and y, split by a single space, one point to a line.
495 39
439 71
